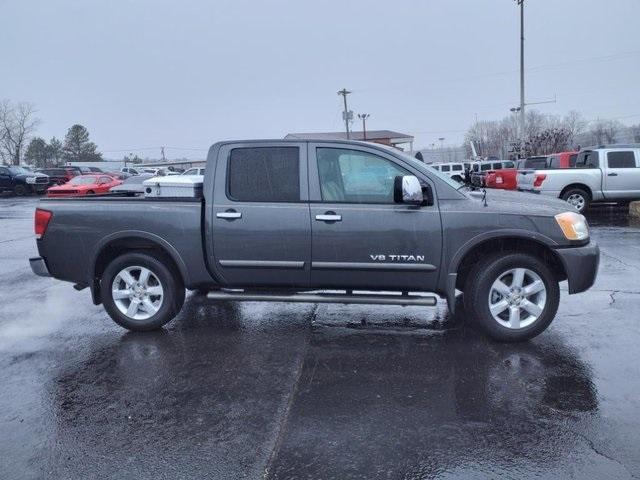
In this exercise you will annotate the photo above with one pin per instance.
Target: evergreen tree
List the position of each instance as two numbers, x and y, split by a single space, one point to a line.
55 151
37 153
78 148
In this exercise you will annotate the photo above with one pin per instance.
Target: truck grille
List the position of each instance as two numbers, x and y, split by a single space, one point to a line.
42 180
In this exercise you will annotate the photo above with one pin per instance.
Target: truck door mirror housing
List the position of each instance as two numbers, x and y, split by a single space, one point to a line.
407 189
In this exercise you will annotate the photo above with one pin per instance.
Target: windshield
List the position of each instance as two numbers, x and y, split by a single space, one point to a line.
19 170
89 180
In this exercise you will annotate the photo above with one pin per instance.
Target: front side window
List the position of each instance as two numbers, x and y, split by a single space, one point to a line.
353 176
621 159
264 174
445 168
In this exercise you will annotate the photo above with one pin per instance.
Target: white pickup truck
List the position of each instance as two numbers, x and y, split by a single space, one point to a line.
607 173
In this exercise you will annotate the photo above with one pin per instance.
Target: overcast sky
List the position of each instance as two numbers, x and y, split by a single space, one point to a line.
187 73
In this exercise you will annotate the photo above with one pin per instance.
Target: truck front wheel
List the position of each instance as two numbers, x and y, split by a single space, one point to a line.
140 293
513 296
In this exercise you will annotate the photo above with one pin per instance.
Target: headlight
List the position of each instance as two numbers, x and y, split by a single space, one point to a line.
31 179
573 225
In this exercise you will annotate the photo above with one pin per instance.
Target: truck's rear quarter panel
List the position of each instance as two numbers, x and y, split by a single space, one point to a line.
79 229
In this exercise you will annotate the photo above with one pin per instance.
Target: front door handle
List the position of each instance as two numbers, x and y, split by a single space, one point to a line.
229 215
329 217
612 174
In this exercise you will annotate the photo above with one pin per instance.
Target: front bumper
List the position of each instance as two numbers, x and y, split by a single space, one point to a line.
581 265
39 267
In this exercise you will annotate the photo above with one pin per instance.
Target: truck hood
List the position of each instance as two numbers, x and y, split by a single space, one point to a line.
522 203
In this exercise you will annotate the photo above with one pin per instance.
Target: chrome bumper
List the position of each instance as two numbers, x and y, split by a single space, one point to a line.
39 267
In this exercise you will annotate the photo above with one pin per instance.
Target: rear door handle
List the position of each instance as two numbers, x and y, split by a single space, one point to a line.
229 215
329 217
612 174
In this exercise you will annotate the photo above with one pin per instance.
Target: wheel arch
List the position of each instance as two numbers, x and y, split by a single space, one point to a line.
473 251
116 244
581 186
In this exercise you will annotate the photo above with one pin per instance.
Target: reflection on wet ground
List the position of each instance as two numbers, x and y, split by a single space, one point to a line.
304 391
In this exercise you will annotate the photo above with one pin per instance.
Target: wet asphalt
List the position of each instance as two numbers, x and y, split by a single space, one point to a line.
284 391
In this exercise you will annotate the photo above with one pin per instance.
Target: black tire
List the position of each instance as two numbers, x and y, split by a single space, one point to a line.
20 190
173 291
90 192
578 192
478 286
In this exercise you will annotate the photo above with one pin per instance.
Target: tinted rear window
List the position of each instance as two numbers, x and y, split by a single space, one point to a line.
536 162
587 159
621 160
264 174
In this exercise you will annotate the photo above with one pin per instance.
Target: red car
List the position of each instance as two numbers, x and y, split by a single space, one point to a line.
84 185
505 179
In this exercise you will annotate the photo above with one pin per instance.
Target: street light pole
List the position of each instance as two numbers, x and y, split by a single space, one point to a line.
522 103
441 148
344 92
363 117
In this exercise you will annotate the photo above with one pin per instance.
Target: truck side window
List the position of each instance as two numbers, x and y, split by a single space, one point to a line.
456 168
353 176
264 174
445 168
621 160
572 159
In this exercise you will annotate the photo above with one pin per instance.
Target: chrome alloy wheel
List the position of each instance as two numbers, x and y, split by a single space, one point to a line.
517 298
137 292
576 200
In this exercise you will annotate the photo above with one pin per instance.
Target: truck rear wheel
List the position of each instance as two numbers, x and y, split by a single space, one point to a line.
577 198
512 296
140 293
19 190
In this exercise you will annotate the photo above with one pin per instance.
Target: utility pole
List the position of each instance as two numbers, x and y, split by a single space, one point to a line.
522 102
363 117
346 115
441 148
162 154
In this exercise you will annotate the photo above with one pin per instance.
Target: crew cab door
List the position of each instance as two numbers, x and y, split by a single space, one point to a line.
260 215
622 174
360 237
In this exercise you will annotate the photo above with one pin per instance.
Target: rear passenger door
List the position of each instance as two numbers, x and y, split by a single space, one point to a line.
260 221
622 175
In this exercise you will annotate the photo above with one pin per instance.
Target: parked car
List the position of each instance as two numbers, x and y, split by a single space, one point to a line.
194 171
607 173
118 175
479 171
454 170
20 181
264 204
133 184
130 170
57 175
84 185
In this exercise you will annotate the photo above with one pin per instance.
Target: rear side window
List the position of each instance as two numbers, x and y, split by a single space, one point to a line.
621 160
588 159
485 166
264 174
554 162
572 159
456 168
509 165
497 166
446 168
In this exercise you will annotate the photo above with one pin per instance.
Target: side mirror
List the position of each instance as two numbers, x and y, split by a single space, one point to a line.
407 189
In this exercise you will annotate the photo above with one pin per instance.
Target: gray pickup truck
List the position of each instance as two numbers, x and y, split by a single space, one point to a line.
326 222
607 173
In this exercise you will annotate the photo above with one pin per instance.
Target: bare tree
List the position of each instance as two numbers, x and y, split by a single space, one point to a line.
17 123
634 133
605 131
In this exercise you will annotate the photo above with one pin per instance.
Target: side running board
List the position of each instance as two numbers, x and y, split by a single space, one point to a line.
424 300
